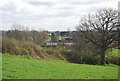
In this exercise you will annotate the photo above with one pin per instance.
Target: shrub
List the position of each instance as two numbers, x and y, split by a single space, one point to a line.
9 46
17 47
56 52
113 56
90 58
27 48
23 51
84 57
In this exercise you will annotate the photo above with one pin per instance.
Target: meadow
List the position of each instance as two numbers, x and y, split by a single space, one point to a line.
23 67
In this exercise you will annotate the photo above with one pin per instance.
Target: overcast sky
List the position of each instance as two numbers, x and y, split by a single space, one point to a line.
49 14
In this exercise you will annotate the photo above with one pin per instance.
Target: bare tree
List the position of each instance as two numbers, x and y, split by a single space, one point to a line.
54 37
19 32
39 37
19 27
99 29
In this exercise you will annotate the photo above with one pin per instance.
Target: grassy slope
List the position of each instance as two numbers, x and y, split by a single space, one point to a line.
22 67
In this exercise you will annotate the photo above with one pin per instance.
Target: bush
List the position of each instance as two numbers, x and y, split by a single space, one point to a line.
84 57
27 48
17 47
56 51
113 56
9 46
90 58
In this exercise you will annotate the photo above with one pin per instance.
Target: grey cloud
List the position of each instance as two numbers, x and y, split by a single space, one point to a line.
43 3
88 2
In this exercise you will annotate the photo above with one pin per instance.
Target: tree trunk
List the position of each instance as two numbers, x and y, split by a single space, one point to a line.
103 56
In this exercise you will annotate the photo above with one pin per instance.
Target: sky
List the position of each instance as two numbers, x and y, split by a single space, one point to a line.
52 15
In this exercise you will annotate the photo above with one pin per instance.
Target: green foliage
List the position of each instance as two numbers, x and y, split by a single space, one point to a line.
19 67
56 51
23 51
89 58
63 37
84 57
112 56
48 39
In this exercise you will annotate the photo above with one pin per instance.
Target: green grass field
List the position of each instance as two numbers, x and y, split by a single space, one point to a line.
21 67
